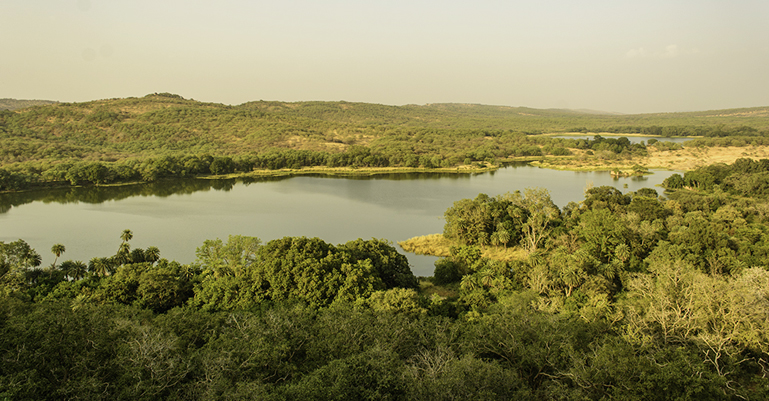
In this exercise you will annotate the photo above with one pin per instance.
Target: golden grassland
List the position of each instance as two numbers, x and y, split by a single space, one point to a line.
687 158
438 245
432 244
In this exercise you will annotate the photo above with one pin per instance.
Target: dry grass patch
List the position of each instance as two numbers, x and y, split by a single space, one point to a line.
681 159
437 245
692 158
433 244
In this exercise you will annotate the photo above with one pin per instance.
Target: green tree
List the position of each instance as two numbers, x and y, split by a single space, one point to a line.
17 261
371 375
164 287
126 235
57 250
541 215
230 259
152 254
75 270
100 267
390 266
606 197
675 181
602 231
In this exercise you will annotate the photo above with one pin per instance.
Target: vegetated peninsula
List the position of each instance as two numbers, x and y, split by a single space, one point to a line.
164 135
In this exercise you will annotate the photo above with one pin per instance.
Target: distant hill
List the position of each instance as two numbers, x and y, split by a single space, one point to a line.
13 104
163 124
520 119
589 111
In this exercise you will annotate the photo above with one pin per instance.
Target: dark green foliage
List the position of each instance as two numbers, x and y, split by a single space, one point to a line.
606 197
675 181
648 208
446 272
12 181
18 263
156 287
372 375
613 145
390 265
745 177
50 351
297 269
485 220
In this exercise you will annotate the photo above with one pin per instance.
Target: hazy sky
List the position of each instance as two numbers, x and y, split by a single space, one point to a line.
613 55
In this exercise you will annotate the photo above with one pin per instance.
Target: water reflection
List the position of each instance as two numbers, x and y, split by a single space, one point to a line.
169 187
101 194
632 138
178 215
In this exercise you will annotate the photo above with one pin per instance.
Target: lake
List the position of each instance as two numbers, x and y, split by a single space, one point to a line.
633 139
178 215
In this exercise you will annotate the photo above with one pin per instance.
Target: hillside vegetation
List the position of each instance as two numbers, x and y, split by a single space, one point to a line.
163 135
13 104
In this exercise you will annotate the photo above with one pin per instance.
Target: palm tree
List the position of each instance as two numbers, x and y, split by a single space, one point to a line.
573 276
112 264
503 237
67 268
487 277
57 249
494 239
151 254
123 255
469 282
78 269
188 272
138 256
622 252
98 266
126 236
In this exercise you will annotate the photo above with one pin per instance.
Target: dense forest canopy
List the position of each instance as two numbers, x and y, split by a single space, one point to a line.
639 295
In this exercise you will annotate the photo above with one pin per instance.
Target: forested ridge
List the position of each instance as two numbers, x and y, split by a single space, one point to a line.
164 135
13 104
639 295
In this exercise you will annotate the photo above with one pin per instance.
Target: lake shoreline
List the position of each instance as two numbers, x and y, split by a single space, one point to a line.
286 172
177 215
668 160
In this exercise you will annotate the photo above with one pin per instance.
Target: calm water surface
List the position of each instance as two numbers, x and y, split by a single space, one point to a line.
177 216
632 139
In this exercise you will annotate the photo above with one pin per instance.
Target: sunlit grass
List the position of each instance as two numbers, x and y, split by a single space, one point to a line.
433 244
437 245
678 159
